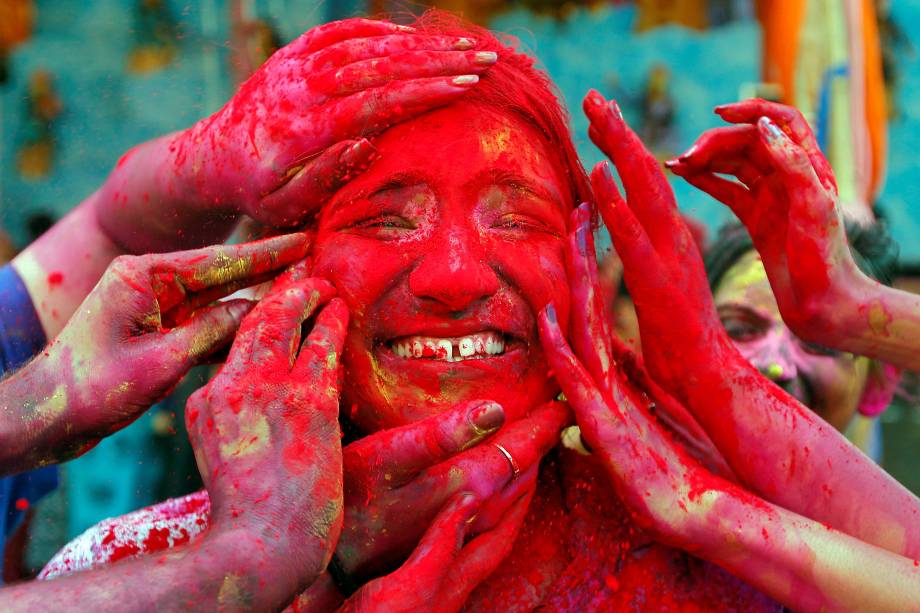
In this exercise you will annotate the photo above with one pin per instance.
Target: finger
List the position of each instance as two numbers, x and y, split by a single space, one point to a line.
271 332
318 361
484 554
733 150
359 49
443 539
485 469
789 157
173 275
370 111
790 120
313 181
647 189
378 72
590 321
581 392
197 300
627 234
337 31
730 193
205 331
401 453
495 508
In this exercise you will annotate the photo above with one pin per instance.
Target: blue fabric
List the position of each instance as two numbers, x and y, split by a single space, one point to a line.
21 337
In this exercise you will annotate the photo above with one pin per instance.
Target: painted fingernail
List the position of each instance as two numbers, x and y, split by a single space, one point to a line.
683 157
486 418
360 153
466 79
485 57
463 44
594 98
581 239
606 171
770 130
550 311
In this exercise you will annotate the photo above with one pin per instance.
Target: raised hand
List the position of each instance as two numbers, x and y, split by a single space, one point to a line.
805 565
294 132
817 473
397 480
787 198
266 435
148 320
670 262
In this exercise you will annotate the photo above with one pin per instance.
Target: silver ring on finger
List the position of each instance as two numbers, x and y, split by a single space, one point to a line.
515 469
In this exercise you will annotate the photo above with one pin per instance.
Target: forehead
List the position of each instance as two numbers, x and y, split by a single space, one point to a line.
746 283
450 145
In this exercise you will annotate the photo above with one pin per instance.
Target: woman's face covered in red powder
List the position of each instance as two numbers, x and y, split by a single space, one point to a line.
444 250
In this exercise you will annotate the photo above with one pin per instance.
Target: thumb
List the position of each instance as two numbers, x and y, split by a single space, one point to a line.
207 329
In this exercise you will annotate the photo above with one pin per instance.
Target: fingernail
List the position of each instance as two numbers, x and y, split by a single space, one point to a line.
464 43
239 308
594 98
616 109
719 109
361 152
607 172
487 418
485 57
467 79
405 28
688 153
550 311
770 130
581 239
671 163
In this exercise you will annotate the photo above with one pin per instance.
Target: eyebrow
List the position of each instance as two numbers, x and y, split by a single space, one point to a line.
746 309
500 176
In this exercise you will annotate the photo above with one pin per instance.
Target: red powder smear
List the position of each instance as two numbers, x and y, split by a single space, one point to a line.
55 278
119 550
22 504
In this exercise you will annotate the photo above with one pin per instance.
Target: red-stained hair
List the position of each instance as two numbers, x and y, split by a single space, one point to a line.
514 85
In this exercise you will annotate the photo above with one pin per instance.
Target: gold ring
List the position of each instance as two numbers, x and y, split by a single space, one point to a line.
515 469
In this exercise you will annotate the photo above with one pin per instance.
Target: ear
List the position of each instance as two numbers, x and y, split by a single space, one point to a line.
881 384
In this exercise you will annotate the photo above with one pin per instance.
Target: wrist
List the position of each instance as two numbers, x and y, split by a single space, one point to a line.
154 202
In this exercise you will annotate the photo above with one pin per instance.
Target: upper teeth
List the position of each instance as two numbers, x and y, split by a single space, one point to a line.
452 349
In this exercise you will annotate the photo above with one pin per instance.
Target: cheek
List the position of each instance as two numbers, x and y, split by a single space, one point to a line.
361 270
537 270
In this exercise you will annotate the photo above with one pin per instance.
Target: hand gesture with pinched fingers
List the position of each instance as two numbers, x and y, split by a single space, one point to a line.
148 320
296 130
786 196
265 429
396 480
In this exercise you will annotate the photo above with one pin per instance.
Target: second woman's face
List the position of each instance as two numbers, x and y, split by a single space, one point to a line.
445 249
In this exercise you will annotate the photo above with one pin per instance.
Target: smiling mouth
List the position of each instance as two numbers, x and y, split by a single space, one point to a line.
479 346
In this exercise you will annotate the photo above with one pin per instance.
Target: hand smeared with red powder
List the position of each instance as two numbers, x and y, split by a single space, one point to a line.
265 429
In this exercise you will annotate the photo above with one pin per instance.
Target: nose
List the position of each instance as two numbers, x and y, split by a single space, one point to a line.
454 273
774 358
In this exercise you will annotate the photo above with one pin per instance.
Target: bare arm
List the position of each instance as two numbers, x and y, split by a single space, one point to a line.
805 565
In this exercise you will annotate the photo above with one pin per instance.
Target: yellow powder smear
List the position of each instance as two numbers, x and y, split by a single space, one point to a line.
254 435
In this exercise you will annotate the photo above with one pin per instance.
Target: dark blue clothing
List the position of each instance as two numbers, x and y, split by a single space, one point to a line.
21 337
